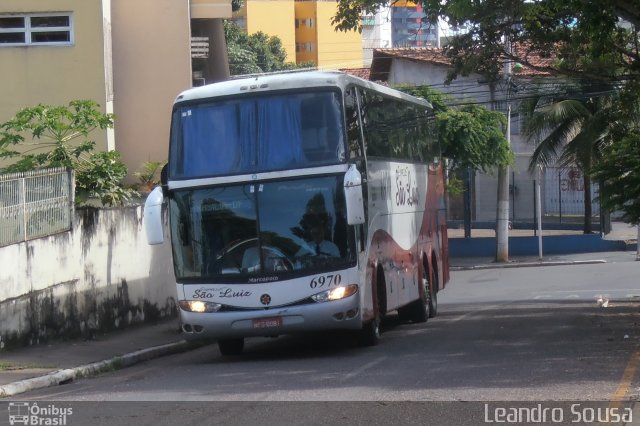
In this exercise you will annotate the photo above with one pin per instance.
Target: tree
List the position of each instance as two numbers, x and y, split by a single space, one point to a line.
619 174
568 129
584 40
618 169
580 38
470 136
59 136
255 53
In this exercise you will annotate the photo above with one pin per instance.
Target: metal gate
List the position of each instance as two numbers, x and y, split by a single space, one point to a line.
35 204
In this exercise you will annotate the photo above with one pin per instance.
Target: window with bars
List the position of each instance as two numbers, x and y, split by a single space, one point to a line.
36 30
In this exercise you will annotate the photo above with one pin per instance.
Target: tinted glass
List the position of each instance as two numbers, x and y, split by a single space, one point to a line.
12 22
49 21
253 134
245 231
12 38
50 37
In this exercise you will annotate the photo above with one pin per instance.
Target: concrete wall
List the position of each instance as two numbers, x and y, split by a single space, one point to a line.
528 246
102 275
274 18
151 66
336 49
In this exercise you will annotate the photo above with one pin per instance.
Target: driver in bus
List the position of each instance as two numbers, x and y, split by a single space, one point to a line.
318 245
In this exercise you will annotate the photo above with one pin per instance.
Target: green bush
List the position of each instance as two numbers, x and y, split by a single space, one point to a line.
45 136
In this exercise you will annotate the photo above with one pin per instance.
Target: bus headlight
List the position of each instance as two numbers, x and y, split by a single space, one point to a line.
336 293
199 306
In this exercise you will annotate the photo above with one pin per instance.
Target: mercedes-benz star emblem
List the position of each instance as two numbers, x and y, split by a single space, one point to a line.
265 299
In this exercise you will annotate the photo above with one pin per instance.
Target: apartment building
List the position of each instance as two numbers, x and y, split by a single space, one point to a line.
130 56
305 29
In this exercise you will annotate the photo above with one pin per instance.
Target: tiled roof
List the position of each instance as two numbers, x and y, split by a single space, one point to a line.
363 73
539 61
382 58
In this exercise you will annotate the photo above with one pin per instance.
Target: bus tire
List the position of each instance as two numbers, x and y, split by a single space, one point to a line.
370 333
230 347
404 313
433 299
421 308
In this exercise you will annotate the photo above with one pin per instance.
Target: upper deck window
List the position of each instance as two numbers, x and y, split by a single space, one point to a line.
257 134
35 30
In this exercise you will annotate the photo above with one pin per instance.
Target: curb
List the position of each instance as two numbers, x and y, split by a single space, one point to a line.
64 376
526 264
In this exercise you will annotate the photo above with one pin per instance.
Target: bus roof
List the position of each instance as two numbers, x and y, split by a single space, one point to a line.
289 80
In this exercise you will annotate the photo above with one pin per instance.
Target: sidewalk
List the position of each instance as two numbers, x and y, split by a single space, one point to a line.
39 366
470 263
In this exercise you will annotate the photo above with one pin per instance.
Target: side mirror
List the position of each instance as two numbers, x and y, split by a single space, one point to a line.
353 196
152 217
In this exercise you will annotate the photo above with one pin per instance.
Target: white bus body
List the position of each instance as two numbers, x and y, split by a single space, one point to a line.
298 202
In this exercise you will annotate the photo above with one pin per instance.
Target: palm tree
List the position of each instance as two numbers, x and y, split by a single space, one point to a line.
570 128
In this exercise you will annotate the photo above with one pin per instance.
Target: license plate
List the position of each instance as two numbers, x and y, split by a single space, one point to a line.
267 322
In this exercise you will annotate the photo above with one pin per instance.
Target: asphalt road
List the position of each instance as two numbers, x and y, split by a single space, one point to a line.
534 335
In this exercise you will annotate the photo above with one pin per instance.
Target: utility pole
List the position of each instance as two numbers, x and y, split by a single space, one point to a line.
502 215
539 211
638 244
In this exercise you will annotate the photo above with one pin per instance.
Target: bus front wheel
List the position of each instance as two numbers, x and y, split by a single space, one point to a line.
230 347
370 333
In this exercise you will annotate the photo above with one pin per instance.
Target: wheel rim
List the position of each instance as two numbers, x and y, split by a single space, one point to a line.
376 329
427 294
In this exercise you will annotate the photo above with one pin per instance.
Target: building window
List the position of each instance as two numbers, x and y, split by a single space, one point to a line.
308 22
36 30
305 47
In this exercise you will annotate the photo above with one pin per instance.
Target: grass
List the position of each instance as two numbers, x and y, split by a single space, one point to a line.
8 366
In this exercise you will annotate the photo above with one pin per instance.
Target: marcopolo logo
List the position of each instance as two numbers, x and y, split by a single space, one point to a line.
27 413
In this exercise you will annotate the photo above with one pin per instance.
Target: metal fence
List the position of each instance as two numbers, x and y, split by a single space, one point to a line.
35 204
564 193
562 196
562 199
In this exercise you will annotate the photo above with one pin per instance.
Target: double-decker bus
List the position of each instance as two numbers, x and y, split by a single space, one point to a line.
298 202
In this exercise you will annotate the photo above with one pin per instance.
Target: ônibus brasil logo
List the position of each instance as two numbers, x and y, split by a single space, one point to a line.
27 413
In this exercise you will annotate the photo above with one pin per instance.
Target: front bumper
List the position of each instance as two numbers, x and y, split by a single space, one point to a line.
342 314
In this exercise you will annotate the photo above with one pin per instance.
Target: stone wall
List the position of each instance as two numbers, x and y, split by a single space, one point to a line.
101 275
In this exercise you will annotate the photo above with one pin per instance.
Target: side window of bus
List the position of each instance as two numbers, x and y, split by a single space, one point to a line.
320 131
396 129
354 143
375 123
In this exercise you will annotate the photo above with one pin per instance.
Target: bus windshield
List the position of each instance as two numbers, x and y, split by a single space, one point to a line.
256 229
246 134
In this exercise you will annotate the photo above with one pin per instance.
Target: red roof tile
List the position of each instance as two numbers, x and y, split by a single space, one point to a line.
382 58
363 73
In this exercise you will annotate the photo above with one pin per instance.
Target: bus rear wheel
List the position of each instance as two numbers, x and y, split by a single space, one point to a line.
420 310
229 347
433 296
